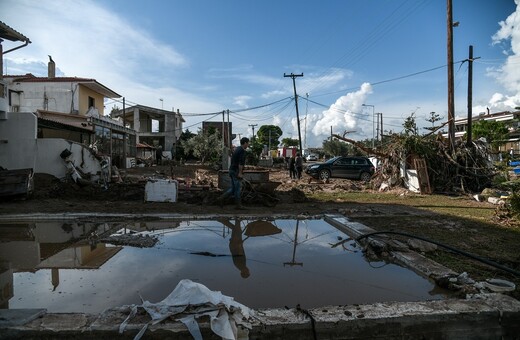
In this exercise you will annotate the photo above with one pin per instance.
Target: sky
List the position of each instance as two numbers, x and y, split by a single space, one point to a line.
357 58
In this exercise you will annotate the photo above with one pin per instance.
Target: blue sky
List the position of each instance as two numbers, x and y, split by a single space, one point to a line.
202 57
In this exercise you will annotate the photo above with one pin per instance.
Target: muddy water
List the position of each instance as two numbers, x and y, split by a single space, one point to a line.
69 268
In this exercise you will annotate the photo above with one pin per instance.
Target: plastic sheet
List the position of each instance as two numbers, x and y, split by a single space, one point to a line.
190 301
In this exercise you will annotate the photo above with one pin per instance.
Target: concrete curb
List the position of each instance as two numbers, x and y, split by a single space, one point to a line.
478 316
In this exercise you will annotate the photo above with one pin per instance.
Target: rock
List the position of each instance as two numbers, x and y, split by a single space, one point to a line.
495 200
421 246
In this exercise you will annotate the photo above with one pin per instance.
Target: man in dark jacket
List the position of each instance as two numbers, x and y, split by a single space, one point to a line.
236 173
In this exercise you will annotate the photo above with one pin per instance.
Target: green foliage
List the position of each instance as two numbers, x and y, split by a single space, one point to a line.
514 204
255 149
205 146
495 132
180 152
337 148
410 126
434 117
267 131
290 142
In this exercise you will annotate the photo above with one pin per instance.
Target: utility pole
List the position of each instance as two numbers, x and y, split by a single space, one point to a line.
223 129
228 131
126 139
381 129
253 127
293 76
470 94
451 94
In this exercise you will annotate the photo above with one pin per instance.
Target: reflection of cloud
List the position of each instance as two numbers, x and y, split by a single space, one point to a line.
508 75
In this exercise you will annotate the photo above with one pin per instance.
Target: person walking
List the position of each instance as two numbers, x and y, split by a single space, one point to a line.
236 173
298 164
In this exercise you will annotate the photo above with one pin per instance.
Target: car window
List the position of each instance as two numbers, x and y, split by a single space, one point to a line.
360 162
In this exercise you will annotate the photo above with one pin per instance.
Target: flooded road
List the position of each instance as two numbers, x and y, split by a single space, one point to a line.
67 267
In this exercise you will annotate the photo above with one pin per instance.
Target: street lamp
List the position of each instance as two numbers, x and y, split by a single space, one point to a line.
373 122
162 102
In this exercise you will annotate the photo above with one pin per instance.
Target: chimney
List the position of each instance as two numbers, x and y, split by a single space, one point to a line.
487 108
51 68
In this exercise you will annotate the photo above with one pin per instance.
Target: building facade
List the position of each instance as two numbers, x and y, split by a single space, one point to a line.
155 127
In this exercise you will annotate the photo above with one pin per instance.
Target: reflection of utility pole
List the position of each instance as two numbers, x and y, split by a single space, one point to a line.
293 263
293 76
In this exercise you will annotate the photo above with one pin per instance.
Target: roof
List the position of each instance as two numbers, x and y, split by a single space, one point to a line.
8 33
145 146
152 111
75 121
87 82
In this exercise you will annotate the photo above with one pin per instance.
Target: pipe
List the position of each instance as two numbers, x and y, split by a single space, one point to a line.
14 49
462 252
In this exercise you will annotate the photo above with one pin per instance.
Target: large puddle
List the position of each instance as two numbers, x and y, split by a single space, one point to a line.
64 267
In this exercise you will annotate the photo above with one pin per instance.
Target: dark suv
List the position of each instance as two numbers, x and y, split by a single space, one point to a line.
352 167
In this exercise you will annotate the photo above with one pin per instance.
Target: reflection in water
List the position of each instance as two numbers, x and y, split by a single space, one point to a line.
295 242
236 243
236 247
64 267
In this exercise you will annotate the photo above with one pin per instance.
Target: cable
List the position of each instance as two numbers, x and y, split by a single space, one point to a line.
462 252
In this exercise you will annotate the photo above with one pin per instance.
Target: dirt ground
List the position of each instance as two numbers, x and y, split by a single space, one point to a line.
197 194
458 221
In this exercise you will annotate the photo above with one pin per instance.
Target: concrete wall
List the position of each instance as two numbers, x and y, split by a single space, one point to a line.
84 93
20 149
61 97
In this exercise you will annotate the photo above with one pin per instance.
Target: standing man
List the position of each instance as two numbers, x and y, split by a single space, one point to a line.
298 164
158 155
236 173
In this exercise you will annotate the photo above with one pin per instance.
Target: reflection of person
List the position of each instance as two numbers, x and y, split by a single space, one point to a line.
236 173
298 164
236 247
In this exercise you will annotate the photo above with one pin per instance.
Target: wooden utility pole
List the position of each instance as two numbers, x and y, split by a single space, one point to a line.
253 127
451 94
470 95
293 76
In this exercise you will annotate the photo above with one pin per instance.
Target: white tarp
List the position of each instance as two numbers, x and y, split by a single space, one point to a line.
191 300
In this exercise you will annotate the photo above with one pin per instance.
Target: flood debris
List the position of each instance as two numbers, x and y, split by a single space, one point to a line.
16 183
425 164
190 301
133 240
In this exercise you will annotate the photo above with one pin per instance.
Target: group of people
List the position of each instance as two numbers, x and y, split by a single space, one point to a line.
296 166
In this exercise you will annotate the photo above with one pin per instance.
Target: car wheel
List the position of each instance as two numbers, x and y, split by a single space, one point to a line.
324 174
365 177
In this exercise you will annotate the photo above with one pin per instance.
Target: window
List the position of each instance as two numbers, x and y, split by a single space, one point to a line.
91 102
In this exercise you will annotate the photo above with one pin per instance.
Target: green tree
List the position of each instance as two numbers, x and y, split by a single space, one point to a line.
434 117
410 126
290 142
180 152
272 131
493 131
204 145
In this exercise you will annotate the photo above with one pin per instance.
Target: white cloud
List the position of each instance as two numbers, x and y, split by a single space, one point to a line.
242 101
508 75
345 114
109 49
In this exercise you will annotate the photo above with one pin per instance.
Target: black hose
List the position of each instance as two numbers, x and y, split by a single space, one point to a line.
462 252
